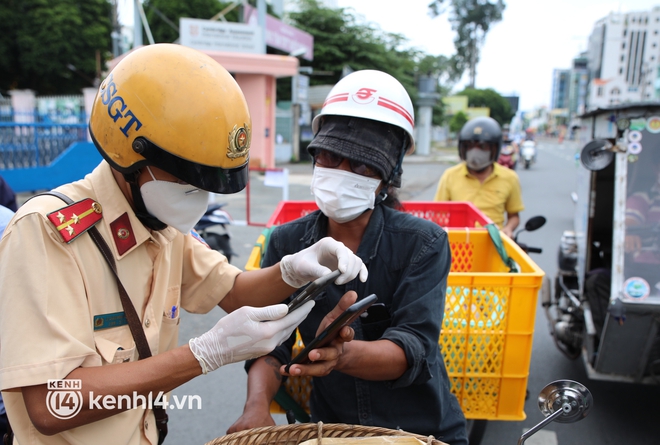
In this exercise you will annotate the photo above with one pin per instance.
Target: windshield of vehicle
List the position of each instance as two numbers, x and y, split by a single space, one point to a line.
642 239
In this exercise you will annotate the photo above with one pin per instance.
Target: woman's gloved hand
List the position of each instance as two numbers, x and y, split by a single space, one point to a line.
246 333
320 259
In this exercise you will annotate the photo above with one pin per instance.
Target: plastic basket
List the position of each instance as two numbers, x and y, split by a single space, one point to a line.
446 214
488 325
297 433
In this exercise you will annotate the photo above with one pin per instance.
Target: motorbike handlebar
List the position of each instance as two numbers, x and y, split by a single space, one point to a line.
529 249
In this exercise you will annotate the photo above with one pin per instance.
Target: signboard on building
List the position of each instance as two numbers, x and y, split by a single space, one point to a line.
281 36
454 104
220 36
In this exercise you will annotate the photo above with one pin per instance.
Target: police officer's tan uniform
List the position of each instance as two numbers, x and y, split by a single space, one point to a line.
59 298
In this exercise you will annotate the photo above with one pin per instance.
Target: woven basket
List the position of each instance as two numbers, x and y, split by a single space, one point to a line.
300 432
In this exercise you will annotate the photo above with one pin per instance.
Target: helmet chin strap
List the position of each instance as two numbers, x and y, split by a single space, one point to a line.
141 211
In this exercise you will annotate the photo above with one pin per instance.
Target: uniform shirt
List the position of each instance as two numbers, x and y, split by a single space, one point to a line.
408 259
50 292
499 194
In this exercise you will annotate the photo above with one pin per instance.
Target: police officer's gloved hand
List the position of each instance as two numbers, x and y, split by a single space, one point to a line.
321 259
246 333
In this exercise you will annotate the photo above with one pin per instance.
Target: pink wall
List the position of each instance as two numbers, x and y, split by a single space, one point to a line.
259 91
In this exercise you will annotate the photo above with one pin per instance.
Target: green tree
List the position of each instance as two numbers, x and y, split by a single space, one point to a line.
163 15
50 46
457 121
471 19
500 108
340 39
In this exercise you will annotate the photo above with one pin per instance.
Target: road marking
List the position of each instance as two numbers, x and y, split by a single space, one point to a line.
543 437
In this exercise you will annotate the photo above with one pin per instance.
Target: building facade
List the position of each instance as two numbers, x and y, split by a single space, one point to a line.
623 57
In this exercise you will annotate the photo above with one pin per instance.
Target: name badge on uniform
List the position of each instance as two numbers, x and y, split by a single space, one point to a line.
106 321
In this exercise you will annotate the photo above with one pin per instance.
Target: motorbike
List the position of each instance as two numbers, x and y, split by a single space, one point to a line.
528 153
213 227
508 156
604 307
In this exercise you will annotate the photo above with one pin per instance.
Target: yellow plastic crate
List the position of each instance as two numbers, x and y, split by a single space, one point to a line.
487 329
488 325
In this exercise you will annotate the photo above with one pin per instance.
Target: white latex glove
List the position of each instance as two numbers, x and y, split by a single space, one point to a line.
320 259
246 333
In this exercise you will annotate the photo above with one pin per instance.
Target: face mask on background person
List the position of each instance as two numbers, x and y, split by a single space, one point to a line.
477 159
177 205
343 196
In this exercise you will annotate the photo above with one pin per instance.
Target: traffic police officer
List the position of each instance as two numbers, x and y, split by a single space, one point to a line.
172 125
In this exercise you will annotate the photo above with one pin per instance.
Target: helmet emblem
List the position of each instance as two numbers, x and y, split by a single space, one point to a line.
239 141
364 95
477 130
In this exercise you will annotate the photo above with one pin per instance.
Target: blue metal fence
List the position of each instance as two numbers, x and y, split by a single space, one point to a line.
24 145
38 156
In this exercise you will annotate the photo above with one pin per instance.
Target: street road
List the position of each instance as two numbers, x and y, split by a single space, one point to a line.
622 413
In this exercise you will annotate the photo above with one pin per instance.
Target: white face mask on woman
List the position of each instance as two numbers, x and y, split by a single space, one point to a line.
477 159
177 205
343 196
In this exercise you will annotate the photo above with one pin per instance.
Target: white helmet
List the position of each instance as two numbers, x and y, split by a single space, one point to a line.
374 95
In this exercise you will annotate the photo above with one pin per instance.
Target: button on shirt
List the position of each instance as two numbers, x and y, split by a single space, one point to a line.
408 260
499 193
50 292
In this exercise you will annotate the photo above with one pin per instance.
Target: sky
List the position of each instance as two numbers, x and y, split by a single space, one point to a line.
520 52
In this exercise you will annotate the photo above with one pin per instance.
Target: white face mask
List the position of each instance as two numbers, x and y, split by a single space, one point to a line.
477 159
177 205
343 196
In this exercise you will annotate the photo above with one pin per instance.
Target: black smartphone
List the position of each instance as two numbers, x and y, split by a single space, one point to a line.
331 332
312 290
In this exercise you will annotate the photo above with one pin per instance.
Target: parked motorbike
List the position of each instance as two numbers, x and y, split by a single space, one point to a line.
213 227
528 153
508 156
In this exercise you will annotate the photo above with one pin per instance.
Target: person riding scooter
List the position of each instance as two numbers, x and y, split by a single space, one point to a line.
508 155
495 190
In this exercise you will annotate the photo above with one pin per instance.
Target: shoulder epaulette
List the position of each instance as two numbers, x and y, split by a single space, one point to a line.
77 218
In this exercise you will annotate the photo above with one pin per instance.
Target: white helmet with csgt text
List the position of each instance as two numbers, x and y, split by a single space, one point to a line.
371 94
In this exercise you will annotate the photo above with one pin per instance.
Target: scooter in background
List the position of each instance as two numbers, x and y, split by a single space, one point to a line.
508 156
213 227
528 153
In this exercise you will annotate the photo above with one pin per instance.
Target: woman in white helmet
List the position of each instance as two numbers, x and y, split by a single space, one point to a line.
392 373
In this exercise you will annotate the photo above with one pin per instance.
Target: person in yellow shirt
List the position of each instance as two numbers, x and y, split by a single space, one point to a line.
493 189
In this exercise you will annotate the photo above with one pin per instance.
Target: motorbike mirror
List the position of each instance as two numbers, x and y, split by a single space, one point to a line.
565 401
596 155
535 222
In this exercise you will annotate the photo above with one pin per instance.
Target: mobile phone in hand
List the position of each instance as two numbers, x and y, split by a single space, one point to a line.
332 331
312 290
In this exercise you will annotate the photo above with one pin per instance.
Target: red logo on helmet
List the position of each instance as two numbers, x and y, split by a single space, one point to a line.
364 95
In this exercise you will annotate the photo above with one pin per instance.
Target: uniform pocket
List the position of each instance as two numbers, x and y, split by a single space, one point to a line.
169 330
113 352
